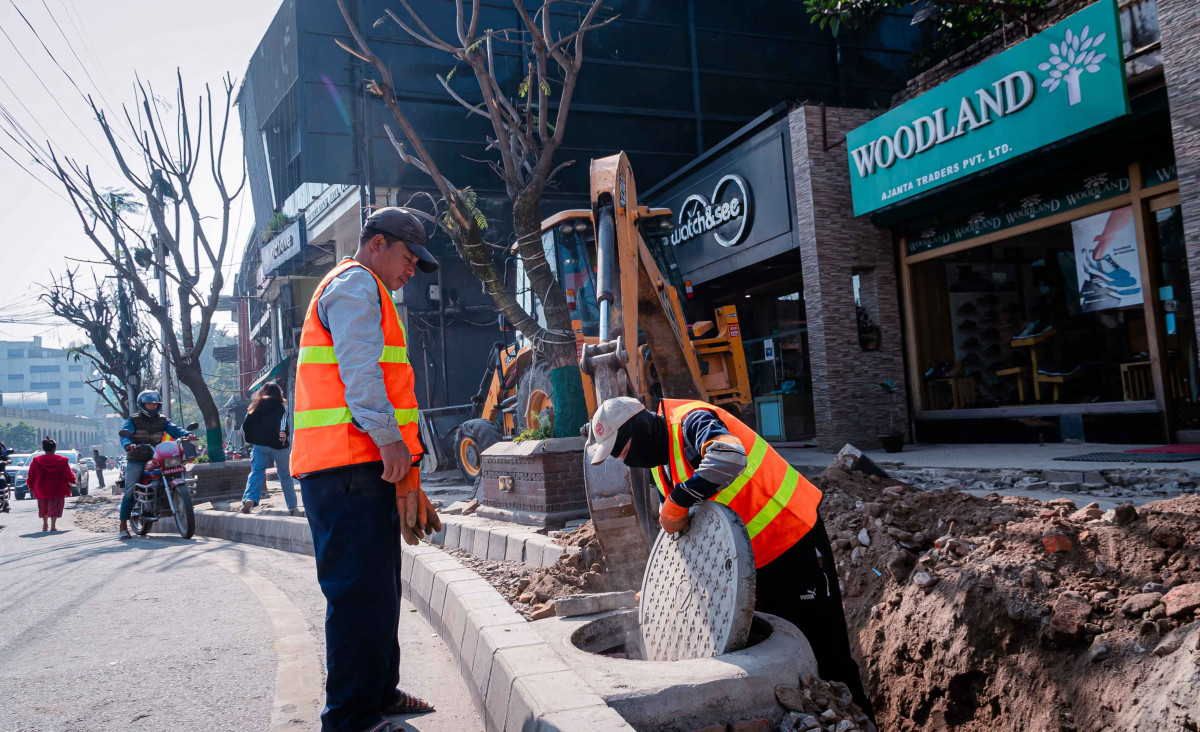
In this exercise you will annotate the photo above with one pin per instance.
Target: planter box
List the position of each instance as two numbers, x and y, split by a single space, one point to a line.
219 480
535 482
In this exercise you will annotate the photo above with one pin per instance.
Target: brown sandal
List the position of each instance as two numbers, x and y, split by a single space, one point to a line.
408 704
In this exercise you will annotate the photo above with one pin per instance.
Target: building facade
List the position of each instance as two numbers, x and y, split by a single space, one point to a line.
37 377
665 82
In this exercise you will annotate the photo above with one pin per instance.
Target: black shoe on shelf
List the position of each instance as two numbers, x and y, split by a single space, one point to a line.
970 344
967 326
1034 328
966 309
1060 368
991 334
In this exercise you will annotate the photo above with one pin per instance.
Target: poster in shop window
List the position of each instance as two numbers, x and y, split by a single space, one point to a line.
1106 261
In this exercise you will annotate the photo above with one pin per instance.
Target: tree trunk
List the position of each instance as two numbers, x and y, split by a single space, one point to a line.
193 378
570 407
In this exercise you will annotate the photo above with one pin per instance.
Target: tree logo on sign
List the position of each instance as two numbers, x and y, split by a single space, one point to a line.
1068 61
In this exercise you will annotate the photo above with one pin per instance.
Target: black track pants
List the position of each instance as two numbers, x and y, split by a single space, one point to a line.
801 586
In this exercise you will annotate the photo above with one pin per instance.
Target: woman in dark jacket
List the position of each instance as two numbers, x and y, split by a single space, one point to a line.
50 477
266 429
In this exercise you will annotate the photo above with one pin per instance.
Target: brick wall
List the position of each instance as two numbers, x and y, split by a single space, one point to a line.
1179 21
834 245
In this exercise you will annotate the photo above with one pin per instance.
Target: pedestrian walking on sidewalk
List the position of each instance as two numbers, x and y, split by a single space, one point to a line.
266 429
101 463
697 452
355 450
50 477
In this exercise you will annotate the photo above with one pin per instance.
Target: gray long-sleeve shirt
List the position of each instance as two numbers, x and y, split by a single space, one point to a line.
349 309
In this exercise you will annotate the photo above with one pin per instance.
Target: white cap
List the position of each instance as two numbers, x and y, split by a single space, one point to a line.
608 419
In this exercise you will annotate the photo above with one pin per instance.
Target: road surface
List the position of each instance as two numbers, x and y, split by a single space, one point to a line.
160 633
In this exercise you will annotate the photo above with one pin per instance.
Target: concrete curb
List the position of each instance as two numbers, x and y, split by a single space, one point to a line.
286 533
492 540
516 680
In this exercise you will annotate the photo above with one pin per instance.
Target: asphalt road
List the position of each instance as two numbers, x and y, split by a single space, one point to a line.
160 633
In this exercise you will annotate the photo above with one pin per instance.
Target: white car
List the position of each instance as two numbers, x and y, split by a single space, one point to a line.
19 467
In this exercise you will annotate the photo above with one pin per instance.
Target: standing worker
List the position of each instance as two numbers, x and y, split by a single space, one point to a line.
101 463
696 452
355 448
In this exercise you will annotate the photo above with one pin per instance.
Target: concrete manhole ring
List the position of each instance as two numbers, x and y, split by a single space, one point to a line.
698 589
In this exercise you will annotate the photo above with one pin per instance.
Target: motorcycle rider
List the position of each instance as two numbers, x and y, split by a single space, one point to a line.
148 427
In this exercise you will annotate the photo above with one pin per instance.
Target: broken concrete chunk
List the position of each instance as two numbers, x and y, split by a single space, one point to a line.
925 580
1125 514
1069 617
864 538
1182 600
1166 537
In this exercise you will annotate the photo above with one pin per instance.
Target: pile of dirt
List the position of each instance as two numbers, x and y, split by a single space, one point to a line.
504 576
1013 614
577 573
97 514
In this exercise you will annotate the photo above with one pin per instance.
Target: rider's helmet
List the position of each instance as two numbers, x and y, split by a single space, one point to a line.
149 397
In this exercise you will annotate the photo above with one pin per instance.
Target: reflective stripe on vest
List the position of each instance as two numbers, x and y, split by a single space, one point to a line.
777 504
325 434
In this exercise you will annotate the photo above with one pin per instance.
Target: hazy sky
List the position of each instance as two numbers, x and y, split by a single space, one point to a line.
109 40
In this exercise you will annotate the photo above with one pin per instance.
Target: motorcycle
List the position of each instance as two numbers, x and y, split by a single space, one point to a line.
5 482
165 489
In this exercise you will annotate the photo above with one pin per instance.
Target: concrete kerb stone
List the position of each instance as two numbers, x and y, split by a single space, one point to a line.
452 532
510 664
437 596
536 695
492 639
497 548
514 548
466 537
479 546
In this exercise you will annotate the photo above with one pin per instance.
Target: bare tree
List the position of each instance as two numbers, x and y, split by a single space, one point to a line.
96 314
528 127
162 170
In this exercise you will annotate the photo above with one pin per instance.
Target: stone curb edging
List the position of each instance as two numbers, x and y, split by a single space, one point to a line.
286 533
486 540
516 680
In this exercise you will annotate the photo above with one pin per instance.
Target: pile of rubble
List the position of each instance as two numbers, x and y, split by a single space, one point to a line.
573 574
1013 614
820 706
1110 482
96 513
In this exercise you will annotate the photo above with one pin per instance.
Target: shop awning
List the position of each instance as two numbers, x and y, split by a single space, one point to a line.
270 375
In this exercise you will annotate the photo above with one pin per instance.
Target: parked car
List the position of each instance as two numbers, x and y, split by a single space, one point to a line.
82 476
18 465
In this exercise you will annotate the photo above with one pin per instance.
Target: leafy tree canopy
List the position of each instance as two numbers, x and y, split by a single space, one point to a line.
957 24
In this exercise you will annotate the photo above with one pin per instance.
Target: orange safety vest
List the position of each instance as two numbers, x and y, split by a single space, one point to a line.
776 503
325 435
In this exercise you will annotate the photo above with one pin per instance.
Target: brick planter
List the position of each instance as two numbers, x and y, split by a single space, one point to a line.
219 480
535 482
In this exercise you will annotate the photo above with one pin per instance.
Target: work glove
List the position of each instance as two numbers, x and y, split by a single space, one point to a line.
673 517
418 518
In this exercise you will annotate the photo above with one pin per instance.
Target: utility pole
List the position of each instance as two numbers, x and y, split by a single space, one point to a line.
126 349
160 254
126 316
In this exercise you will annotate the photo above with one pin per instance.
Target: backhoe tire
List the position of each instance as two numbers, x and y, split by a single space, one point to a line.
472 438
535 393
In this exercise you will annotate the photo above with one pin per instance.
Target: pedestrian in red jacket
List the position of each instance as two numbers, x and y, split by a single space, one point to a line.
50 478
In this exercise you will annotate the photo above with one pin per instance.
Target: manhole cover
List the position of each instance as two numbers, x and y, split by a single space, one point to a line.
698 590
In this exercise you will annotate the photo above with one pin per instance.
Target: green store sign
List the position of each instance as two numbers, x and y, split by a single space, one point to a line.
1059 83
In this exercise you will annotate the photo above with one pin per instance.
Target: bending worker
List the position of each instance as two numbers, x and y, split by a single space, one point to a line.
355 449
698 452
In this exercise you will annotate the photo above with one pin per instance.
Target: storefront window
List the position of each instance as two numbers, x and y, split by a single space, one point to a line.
1053 316
1179 327
776 344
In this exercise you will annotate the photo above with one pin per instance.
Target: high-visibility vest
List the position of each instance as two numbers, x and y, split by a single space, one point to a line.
324 434
776 503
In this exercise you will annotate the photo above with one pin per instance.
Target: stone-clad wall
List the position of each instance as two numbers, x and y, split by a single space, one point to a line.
1179 21
847 403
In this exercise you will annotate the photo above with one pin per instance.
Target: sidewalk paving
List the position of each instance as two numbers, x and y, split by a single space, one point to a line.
984 457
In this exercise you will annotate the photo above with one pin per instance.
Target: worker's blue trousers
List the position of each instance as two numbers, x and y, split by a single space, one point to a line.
356 538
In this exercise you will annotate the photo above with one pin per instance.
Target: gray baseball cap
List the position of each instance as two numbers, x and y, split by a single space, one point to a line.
402 224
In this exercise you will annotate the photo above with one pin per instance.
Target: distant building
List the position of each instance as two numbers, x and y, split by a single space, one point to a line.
36 377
